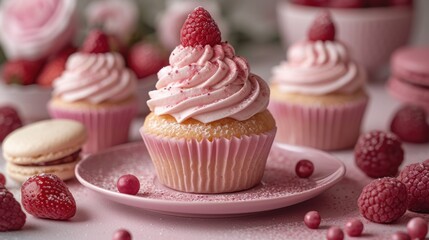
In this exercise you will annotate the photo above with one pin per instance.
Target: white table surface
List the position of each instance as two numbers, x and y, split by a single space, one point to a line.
98 218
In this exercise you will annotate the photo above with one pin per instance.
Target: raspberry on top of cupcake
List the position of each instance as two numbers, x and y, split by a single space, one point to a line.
319 65
205 80
209 115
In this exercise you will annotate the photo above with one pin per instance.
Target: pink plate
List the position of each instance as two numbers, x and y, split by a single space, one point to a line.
280 187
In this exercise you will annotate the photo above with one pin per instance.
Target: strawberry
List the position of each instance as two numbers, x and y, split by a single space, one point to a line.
9 121
199 29
146 59
47 196
55 67
96 42
11 215
322 29
23 72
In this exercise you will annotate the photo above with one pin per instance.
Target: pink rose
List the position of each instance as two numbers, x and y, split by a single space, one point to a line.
116 17
34 29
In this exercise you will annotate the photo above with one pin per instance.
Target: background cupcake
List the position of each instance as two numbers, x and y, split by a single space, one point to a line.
209 130
122 20
98 90
371 29
317 95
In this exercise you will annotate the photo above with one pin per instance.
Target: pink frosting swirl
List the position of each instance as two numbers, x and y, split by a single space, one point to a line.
95 78
208 84
37 28
318 68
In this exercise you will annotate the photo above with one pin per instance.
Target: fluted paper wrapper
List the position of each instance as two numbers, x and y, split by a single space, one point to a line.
217 166
323 127
106 127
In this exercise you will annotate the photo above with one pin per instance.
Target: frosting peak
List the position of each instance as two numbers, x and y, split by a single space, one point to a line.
95 78
318 68
208 83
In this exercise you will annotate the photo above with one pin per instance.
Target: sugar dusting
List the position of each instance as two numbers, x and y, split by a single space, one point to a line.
279 179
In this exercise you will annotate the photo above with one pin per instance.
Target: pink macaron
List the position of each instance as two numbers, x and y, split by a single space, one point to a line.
409 80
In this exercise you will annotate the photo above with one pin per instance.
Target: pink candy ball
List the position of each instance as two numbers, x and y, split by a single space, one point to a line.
400 236
121 234
312 219
128 184
417 228
354 228
304 168
335 233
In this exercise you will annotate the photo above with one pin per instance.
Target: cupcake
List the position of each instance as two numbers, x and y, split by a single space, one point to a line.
317 95
98 90
371 29
409 80
209 130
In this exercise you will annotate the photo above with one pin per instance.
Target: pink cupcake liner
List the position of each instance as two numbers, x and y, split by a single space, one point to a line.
221 165
106 126
327 128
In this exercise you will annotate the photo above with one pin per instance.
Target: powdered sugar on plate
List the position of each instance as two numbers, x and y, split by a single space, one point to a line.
279 187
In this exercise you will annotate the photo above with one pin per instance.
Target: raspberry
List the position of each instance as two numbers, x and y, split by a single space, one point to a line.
410 125
47 196
322 29
384 200
312 219
128 184
416 179
379 154
96 42
9 121
199 29
304 168
11 215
